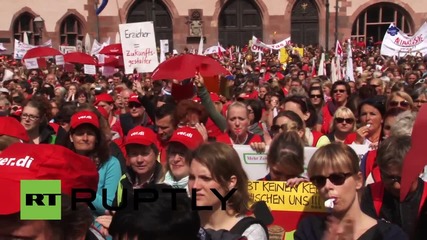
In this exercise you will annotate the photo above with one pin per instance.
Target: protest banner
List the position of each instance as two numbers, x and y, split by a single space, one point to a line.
259 46
139 47
288 205
20 48
255 164
67 49
397 43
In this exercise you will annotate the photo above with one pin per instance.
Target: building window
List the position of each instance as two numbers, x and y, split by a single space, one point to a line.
25 23
375 20
71 31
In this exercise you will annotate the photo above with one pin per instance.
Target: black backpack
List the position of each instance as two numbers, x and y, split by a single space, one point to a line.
236 232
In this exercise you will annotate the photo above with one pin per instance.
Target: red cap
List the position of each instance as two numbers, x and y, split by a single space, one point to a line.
215 97
103 112
22 161
103 97
190 137
9 126
141 135
134 98
83 117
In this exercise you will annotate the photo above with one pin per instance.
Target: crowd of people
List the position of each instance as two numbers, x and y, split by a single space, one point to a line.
123 133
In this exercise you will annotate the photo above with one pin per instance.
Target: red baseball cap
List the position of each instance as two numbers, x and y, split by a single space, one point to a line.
9 126
22 161
214 97
134 98
83 117
103 97
190 137
141 135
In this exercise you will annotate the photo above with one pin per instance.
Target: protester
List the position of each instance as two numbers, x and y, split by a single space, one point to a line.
334 170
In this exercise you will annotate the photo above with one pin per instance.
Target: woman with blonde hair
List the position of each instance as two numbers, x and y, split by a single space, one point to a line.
334 170
400 99
343 127
217 166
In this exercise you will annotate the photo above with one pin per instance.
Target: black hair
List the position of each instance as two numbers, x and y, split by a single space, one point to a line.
306 106
256 106
157 220
167 109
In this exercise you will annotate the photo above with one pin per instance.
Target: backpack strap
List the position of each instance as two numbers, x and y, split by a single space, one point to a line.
377 193
423 198
245 223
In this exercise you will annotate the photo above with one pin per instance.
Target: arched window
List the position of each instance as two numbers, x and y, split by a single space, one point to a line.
71 31
374 21
25 23
238 21
145 10
305 23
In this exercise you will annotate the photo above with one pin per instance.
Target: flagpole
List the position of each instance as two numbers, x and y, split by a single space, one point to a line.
327 27
336 20
97 21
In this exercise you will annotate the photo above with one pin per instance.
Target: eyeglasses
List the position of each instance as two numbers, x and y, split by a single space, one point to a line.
339 91
342 120
403 104
335 178
315 96
390 178
374 85
31 117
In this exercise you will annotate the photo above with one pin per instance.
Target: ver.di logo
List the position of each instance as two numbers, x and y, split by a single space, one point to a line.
392 30
40 200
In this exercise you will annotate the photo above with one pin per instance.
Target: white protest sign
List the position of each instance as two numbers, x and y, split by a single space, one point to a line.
397 43
20 48
108 71
59 60
31 63
139 47
164 48
259 46
255 164
67 49
89 69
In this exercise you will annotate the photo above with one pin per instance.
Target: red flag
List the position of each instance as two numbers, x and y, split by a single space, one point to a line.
338 49
414 161
219 51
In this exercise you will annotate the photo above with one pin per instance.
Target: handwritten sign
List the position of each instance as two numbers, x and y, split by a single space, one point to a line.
288 205
280 197
31 63
139 47
89 69
21 48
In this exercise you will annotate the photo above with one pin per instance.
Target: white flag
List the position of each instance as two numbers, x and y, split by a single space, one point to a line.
349 67
200 50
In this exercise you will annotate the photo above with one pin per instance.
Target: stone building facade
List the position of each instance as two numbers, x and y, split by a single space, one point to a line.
230 22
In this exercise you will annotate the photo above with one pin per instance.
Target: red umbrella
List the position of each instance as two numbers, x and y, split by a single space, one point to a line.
113 61
186 66
39 52
113 49
79 57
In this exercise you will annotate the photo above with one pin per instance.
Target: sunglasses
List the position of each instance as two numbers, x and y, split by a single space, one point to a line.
403 104
337 179
315 96
347 120
374 86
339 91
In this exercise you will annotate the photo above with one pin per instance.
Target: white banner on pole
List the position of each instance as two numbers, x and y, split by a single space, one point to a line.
397 43
259 46
139 47
20 48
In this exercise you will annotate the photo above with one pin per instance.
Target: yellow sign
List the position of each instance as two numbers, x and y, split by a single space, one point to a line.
279 197
284 56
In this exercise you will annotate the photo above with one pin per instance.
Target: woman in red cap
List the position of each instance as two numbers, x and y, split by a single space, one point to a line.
86 138
11 131
179 153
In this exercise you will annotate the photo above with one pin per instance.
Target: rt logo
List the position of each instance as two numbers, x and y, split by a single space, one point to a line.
40 199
